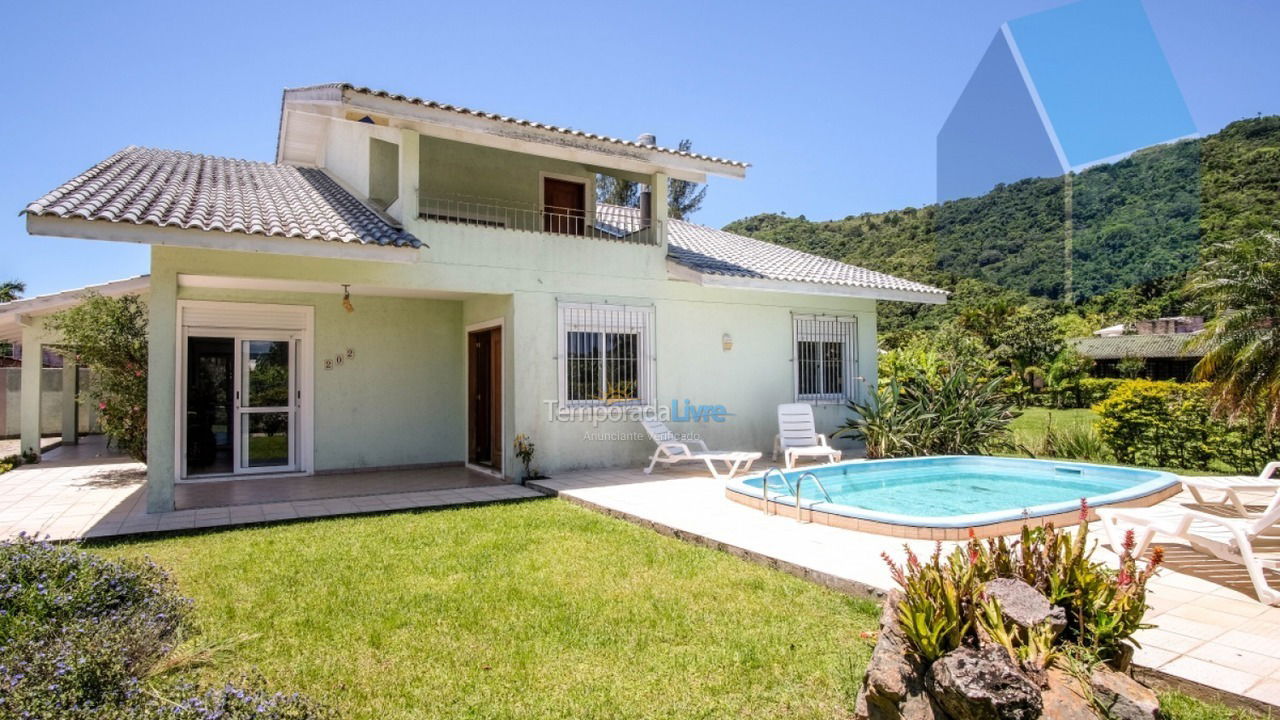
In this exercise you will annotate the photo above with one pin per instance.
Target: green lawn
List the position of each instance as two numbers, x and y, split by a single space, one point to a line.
1030 427
532 610
1036 419
535 610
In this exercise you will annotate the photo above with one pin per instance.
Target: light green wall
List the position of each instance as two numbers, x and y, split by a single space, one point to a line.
384 172
450 169
400 413
396 402
750 380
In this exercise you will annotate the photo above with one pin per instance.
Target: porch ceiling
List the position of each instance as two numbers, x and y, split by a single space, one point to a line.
223 282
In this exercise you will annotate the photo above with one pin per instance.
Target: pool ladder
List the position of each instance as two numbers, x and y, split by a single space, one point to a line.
795 490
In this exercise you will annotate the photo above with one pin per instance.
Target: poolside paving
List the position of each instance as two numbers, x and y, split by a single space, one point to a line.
1212 633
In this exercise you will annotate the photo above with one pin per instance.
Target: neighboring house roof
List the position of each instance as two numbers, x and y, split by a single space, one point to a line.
169 188
708 251
12 312
511 120
1118 347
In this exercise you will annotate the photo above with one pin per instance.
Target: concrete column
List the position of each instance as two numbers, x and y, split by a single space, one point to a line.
658 190
409 144
32 355
161 387
70 408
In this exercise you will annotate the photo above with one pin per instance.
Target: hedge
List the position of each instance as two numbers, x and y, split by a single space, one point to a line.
1169 424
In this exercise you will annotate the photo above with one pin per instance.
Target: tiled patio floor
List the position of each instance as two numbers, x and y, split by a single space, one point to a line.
1211 631
84 493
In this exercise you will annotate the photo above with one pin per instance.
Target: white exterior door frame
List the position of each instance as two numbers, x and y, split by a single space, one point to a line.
251 321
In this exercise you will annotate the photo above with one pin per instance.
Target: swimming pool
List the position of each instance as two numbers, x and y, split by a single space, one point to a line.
952 494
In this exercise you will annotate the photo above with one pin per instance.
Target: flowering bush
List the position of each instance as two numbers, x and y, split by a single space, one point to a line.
246 699
80 635
109 336
944 606
77 630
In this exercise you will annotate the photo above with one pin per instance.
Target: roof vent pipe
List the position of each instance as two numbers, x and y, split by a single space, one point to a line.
646 194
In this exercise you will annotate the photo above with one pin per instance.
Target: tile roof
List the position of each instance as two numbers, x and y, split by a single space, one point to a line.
168 188
717 252
1118 347
519 121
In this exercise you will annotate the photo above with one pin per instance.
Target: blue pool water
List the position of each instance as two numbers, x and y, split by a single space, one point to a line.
960 490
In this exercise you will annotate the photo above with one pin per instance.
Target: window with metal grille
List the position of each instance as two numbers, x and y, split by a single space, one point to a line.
826 358
605 354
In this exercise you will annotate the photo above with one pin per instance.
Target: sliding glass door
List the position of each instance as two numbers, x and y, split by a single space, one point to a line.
266 404
242 399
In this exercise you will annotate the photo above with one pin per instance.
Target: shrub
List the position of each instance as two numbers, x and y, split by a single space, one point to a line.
1095 390
246 699
943 605
77 630
109 336
81 635
957 415
1168 424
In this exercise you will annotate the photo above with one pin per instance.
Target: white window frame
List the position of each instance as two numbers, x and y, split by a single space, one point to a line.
209 318
827 328
604 318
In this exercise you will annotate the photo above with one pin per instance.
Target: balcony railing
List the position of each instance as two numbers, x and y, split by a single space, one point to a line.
605 222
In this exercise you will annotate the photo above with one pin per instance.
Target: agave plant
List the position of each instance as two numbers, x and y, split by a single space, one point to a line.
958 415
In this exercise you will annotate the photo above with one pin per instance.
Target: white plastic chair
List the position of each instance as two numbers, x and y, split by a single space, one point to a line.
1231 487
798 435
1226 538
673 450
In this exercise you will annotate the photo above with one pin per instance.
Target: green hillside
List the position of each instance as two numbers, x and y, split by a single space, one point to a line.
1137 226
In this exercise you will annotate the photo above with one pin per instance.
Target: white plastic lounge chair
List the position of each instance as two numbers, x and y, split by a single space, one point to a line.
798 437
672 450
1231 487
1226 538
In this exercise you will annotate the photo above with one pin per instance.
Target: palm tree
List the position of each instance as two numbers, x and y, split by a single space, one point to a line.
11 290
1240 283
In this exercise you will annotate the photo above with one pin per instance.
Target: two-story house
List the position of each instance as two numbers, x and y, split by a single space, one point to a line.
413 284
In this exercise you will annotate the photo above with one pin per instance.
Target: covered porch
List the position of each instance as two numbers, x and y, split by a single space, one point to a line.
87 491
271 390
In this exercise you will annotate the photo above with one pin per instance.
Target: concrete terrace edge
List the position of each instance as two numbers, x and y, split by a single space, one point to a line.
1155 679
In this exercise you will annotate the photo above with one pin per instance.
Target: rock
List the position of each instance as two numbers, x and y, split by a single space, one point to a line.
1123 698
983 684
1123 658
1025 606
893 672
893 687
1064 700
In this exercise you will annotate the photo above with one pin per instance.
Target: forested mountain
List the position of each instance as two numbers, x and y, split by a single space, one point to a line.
1136 227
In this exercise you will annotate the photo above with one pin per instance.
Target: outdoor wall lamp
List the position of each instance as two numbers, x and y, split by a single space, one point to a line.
726 341
346 299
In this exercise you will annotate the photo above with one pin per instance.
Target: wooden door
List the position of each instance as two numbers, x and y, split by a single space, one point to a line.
564 206
484 397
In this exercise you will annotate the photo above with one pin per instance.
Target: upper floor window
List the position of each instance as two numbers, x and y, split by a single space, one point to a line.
384 173
605 353
825 358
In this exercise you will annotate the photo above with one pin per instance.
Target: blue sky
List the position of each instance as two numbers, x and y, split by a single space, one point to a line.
836 106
